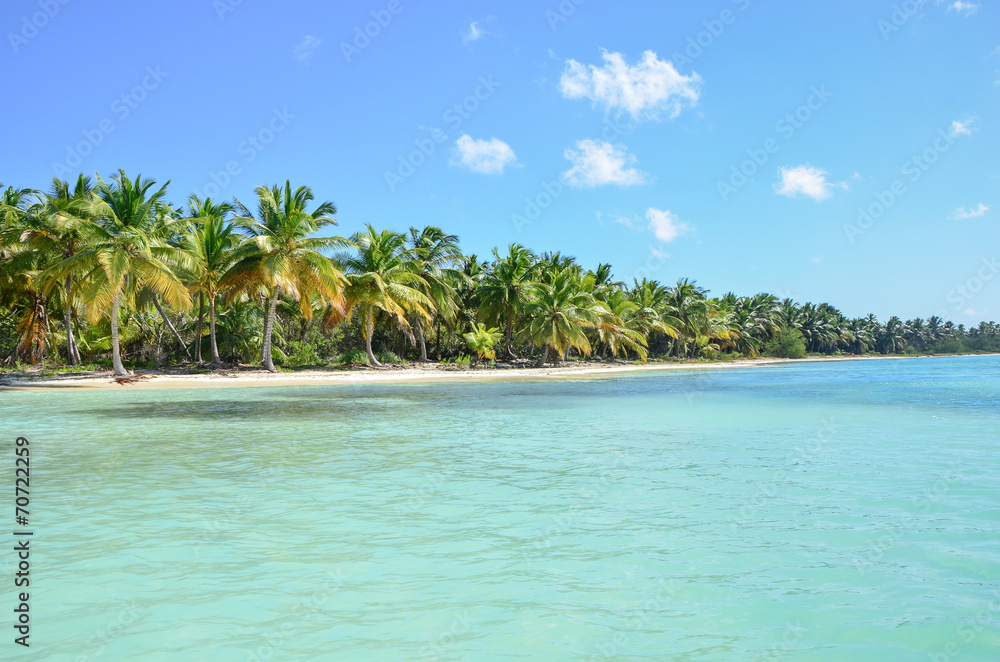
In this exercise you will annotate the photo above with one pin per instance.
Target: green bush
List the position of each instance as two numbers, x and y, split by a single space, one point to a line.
463 362
949 346
354 356
302 354
389 358
788 344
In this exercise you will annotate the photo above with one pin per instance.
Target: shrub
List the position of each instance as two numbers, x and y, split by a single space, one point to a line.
389 358
949 346
353 357
302 354
788 344
463 362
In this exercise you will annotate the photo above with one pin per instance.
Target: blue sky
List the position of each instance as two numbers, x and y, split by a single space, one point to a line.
613 132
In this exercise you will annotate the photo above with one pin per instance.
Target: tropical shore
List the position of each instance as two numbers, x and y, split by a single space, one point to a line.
410 374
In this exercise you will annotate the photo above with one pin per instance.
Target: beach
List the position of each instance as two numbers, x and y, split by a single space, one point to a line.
250 377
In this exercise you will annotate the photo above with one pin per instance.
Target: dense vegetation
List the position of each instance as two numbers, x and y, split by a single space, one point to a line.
108 272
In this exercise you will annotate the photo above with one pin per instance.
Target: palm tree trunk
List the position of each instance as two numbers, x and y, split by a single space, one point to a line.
545 355
166 320
201 317
265 351
216 361
421 341
68 322
116 350
369 328
437 340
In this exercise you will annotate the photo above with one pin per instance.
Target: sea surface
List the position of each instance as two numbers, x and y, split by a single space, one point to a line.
812 511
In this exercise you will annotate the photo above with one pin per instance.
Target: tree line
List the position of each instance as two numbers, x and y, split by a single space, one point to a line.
109 272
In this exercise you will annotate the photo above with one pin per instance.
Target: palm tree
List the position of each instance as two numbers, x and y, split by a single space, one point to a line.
54 225
891 339
438 258
483 341
503 292
283 257
127 252
558 315
383 275
211 246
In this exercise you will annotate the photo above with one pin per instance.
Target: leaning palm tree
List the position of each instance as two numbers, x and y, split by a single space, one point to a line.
211 246
283 257
127 253
383 275
439 260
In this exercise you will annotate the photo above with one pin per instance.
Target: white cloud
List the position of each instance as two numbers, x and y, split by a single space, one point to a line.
659 255
970 312
488 157
643 90
808 181
665 224
967 8
962 213
818 259
473 33
964 127
305 50
597 164
628 221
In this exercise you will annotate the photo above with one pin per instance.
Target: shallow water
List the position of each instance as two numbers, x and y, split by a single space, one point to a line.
835 511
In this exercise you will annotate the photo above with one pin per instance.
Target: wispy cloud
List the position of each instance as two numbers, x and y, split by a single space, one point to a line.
644 90
488 157
473 33
965 8
962 213
964 127
808 181
599 163
665 224
305 51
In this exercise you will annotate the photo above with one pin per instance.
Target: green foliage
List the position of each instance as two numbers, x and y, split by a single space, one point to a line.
302 354
949 346
390 358
483 341
463 362
788 344
353 357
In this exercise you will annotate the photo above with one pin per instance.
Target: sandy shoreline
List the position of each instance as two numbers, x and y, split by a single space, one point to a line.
397 375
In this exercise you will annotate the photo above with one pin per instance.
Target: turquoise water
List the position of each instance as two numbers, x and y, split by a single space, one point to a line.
846 511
